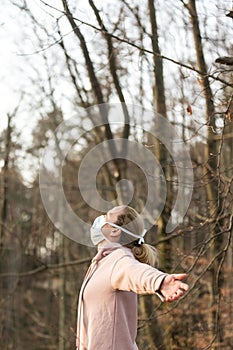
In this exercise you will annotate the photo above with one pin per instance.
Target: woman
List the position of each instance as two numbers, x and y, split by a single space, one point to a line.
122 268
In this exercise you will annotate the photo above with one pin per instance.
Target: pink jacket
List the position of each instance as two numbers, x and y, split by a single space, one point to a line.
107 310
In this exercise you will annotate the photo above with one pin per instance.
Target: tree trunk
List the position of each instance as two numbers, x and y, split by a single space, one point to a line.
145 339
92 76
6 252
62 296
119 164
160 151
5 180
210 168
162 156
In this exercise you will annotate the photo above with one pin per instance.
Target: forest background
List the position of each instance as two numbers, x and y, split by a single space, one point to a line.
172 57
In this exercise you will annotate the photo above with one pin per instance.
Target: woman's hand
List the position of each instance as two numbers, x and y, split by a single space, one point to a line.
172 287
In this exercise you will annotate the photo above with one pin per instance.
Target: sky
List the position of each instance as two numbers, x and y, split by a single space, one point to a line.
14 43
19 50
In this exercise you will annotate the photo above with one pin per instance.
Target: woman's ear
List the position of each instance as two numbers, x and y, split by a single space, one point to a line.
115 233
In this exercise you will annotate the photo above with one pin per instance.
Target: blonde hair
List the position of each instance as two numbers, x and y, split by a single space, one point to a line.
130 219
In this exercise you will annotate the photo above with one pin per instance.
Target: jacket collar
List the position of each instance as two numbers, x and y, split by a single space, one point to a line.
105 250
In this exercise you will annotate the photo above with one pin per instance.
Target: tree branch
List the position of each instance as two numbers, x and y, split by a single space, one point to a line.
45 267
141 49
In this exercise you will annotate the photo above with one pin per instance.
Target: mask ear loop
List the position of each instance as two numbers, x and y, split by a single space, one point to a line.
140 238
140 241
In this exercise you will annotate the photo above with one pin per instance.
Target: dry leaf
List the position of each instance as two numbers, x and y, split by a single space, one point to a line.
230 14
229 114
189 110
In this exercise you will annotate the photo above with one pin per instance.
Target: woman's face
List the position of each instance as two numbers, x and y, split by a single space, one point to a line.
110 232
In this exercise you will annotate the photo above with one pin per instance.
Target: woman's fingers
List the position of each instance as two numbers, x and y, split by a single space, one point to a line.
173 288
177 278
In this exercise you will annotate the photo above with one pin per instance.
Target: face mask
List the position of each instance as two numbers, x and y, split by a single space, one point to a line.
97 235
96 232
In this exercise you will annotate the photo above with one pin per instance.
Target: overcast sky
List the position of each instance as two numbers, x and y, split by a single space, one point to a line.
17 38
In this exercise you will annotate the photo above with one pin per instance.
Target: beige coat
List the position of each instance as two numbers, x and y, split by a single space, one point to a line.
107 311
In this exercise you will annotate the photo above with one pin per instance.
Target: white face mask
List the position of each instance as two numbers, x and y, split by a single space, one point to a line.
96 230
97 234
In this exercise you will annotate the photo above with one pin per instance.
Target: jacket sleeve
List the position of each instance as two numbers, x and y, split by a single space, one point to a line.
128 274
